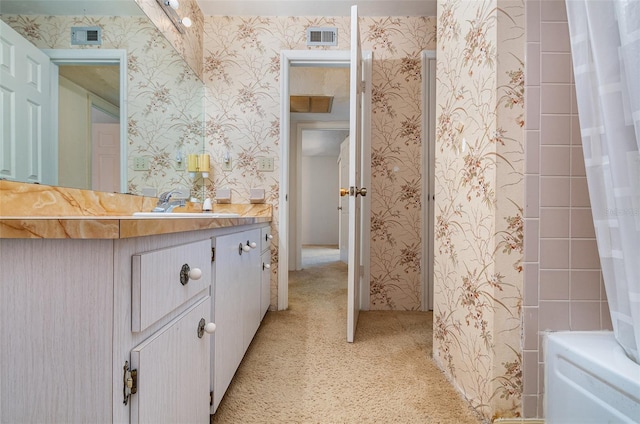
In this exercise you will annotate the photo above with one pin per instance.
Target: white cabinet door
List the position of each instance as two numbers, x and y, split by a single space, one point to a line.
251 280
227 313
265 290
237 309
173 371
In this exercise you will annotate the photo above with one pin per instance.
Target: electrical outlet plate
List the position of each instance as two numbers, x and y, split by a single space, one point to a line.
140 163
265 164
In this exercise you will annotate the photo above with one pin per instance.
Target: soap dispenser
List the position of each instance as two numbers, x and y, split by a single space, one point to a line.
206 206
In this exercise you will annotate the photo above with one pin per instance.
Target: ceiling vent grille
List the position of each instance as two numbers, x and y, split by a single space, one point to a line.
86 36
322 36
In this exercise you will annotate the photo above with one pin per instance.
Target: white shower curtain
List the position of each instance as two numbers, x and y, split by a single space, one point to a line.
605 43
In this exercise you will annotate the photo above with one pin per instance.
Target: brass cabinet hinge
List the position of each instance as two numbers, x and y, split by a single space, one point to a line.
129 382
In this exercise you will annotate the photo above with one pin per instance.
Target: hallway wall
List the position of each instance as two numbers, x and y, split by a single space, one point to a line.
319 200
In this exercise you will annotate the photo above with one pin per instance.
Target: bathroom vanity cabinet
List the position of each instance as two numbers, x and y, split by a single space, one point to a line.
77 316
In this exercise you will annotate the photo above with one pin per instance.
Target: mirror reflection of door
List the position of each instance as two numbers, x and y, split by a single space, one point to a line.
89 126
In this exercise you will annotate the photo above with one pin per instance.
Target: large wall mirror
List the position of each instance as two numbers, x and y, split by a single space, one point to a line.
118 115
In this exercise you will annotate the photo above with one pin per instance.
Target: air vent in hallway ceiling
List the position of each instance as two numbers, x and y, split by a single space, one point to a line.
86 36
322 36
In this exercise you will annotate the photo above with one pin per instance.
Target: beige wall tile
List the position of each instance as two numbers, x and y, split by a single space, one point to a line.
532 153
532 196
553 11
555 129
554 191
584 254
556 68
555 99
553 315
577 161
585 315
554 285
582 223
530 330
554 223
554 254
555 160
554 37
579 192
585 285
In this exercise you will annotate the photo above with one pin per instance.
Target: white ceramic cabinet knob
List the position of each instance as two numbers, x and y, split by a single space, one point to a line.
253 244
266 266
246 247
210 328
195 274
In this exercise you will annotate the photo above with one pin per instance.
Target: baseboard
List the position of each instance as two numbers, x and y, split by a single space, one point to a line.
519 421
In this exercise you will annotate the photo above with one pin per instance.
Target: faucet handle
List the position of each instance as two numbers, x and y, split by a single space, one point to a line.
164 197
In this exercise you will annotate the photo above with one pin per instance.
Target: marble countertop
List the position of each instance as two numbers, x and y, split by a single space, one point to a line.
47 212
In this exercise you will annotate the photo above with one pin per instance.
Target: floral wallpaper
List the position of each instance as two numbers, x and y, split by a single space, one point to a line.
242 69
479 201
164 96
189 44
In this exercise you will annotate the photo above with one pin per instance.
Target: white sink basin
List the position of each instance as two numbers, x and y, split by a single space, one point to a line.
185 215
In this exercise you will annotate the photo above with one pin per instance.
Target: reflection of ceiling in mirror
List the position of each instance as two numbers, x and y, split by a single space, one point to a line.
71 7
317 8
103 80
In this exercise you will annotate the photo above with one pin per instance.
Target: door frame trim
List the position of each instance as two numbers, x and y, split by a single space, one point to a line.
301 126
318 58
94 57
428 177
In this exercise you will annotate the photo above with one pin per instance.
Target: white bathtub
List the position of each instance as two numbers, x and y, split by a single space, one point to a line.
589 379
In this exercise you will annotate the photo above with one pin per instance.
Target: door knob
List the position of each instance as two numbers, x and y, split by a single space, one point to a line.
361 191
344 192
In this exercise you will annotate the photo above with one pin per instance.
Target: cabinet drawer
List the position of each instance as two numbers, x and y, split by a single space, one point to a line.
157 288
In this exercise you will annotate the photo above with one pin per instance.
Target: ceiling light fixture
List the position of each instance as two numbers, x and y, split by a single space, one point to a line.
169 7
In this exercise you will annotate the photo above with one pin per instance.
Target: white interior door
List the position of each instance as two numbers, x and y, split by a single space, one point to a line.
25 111
355 188
105 157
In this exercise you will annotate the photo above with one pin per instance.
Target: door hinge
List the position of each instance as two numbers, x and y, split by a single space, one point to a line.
213 254
210 398
363 86
129 382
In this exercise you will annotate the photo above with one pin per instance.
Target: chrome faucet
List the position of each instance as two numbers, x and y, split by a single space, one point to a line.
165 204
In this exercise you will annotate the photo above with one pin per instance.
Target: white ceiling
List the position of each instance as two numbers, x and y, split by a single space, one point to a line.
317 7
